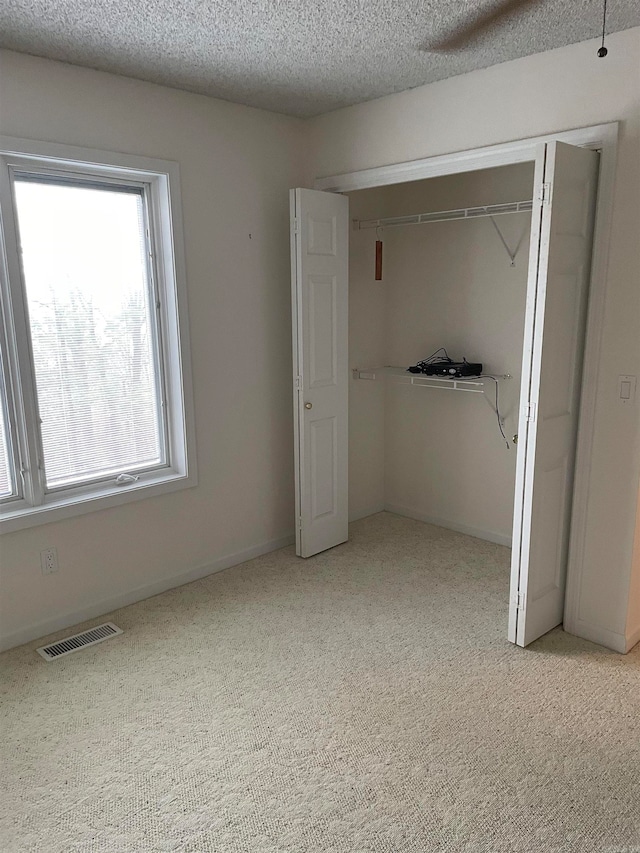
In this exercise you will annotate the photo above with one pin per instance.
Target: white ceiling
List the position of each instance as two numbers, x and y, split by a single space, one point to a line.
301 57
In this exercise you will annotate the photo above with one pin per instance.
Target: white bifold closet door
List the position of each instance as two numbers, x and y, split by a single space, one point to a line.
320 300
559 272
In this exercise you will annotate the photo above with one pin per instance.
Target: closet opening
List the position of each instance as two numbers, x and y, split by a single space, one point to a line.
438 336
436 449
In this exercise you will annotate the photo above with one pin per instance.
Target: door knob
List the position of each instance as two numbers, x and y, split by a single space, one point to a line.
308 405
515 438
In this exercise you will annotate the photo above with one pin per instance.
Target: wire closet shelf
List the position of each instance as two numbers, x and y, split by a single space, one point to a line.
445 215
471 384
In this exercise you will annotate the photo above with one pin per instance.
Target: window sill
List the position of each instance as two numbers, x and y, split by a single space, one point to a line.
58 507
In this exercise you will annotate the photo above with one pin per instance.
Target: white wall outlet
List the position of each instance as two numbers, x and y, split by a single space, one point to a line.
49 561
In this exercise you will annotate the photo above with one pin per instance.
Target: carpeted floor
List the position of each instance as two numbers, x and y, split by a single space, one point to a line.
363 700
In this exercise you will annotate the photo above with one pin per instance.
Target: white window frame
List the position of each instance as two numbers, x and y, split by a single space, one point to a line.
161 182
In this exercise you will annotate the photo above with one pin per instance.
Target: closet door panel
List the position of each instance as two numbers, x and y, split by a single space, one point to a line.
559 279
319 241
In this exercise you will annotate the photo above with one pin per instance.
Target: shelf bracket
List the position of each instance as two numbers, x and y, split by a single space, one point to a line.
363 374
512 254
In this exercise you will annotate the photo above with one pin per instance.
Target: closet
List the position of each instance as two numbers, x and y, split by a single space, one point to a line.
429 448
493 266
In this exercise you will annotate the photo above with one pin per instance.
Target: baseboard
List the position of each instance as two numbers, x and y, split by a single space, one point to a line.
488 535
633 639
372 510
601 636
115 602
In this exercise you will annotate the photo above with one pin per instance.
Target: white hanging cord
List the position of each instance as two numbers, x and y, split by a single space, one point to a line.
496 408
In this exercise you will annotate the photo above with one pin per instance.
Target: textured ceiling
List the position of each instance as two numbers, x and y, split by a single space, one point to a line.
301 57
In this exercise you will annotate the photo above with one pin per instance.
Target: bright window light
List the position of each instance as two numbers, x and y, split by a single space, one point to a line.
92 317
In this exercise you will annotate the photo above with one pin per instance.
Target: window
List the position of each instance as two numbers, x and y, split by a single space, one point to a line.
95 406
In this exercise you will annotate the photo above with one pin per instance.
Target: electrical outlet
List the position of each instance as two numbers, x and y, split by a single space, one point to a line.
49 561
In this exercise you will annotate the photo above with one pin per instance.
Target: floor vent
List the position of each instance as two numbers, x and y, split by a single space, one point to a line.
79 641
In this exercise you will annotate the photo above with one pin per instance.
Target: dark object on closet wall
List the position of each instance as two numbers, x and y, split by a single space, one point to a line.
378 260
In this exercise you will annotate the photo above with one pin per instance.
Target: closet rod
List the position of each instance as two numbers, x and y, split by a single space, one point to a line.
445 215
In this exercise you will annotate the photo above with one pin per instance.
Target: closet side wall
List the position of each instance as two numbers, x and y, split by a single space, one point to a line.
366 349
451 284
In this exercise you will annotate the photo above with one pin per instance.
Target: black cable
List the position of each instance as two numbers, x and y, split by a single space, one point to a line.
432 357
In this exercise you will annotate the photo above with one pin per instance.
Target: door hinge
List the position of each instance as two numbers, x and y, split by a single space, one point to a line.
300 523
298 382
519 600
530 411
296 225
545 193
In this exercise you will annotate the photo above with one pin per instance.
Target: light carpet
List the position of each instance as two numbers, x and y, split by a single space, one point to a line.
363 700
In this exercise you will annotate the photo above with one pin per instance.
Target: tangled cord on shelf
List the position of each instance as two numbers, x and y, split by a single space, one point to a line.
434 358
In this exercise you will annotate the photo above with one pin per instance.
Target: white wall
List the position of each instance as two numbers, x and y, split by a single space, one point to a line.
553 91
452 284
236 166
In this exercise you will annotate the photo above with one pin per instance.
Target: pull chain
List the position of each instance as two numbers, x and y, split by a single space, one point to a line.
602 51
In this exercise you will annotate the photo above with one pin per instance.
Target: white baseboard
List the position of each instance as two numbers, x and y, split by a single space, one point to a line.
488 535
633 639
115 602
601 636
365 513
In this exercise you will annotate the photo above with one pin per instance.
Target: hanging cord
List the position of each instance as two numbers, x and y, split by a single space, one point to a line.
602 51
497 407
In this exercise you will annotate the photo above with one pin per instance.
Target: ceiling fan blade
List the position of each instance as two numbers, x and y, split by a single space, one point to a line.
477 26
